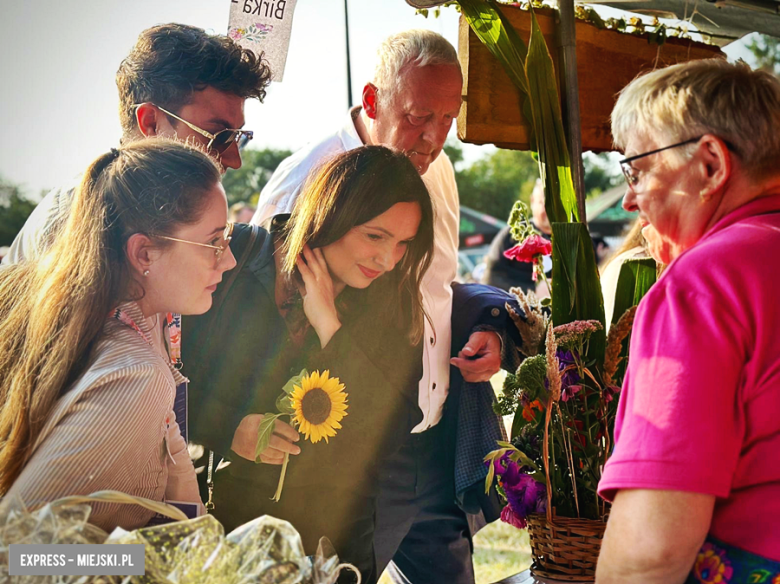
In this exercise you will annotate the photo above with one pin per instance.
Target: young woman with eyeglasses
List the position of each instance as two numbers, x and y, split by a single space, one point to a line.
89 341
335 286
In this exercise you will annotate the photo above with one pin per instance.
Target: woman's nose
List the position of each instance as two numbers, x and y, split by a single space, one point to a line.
228 260
629 200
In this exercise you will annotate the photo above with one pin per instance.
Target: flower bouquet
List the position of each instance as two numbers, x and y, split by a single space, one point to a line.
563 398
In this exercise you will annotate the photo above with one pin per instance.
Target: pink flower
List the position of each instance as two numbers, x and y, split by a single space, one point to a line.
510 517
530 249
570 391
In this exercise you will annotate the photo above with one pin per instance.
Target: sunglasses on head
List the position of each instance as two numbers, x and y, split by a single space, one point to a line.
218 142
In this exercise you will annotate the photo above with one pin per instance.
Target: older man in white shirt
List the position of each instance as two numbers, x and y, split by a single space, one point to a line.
410 105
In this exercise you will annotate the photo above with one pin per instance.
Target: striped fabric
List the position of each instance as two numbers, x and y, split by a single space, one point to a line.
114 429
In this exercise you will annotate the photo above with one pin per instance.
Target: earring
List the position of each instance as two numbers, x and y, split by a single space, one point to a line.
704 195
146 273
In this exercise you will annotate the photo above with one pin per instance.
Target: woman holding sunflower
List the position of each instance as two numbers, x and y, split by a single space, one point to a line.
307 298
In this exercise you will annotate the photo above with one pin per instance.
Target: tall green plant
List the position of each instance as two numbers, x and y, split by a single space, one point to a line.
531 69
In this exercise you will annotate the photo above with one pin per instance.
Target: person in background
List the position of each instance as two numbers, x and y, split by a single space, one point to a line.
505 273
241 212
178 82
694 478
410 105
87 395
336 287
634 247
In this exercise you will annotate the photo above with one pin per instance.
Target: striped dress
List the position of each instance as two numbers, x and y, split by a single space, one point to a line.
114 429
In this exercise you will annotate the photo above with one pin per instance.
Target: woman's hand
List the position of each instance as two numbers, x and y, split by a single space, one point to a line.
319 297
245 440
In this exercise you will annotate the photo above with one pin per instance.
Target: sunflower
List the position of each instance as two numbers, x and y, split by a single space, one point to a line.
320 403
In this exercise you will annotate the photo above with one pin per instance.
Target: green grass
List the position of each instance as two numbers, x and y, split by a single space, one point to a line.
500 550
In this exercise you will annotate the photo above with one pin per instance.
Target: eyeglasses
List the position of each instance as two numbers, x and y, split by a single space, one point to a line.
218 142
628 170
227 235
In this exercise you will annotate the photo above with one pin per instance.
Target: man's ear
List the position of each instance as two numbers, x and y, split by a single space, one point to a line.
370 100
141 253
148 119
716 167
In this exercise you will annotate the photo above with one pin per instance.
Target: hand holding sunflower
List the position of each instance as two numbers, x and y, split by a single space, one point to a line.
316 405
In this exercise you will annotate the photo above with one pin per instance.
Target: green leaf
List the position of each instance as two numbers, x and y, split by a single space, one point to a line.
566 242
555 168
519 456
576 288
635 279
264 432
489 478
284 404
498 36
293 381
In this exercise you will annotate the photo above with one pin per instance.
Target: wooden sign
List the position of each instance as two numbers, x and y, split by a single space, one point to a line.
607 61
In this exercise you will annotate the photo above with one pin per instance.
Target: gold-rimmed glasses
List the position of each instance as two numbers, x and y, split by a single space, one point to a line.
227 235
218 142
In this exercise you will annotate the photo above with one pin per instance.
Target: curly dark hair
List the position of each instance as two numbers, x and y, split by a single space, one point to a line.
171 61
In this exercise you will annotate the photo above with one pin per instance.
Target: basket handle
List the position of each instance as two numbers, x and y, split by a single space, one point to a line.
123 499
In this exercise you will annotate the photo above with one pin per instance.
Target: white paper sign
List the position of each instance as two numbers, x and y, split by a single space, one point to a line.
263 26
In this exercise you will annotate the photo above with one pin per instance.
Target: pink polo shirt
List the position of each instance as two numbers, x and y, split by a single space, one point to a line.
700 407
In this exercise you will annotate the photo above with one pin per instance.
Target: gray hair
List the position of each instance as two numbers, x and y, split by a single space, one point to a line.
709 96
411 48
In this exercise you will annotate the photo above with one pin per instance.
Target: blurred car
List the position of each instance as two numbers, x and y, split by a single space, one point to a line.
471 263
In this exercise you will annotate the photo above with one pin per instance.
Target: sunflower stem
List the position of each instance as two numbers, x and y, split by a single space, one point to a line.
278 495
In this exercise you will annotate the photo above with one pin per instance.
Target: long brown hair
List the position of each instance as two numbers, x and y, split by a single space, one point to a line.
350 190
53 309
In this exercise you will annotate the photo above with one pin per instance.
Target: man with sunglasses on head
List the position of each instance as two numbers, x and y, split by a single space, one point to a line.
179 82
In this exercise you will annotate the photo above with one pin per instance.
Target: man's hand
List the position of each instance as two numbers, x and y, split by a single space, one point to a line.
245 440
480 358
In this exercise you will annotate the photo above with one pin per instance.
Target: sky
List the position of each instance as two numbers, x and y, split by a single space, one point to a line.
58 102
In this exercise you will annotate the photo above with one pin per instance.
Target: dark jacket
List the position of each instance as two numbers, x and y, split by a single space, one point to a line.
239 357
471 425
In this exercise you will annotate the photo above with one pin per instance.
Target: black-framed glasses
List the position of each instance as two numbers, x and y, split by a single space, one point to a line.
227 235
628 170
218 142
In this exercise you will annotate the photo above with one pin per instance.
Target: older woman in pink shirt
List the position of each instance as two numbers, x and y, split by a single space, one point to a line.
695 474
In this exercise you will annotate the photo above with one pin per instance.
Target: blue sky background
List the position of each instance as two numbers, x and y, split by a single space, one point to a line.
58 103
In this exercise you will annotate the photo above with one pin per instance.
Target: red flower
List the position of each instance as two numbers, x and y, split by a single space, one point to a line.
530 249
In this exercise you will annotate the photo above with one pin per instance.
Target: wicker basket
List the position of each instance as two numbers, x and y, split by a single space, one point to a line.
565 549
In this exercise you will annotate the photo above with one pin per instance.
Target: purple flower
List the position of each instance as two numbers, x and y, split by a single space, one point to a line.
525 496
569 380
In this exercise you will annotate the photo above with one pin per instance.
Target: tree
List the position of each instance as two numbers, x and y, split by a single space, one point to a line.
257 167
601 173
15 207
492 184
766 50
